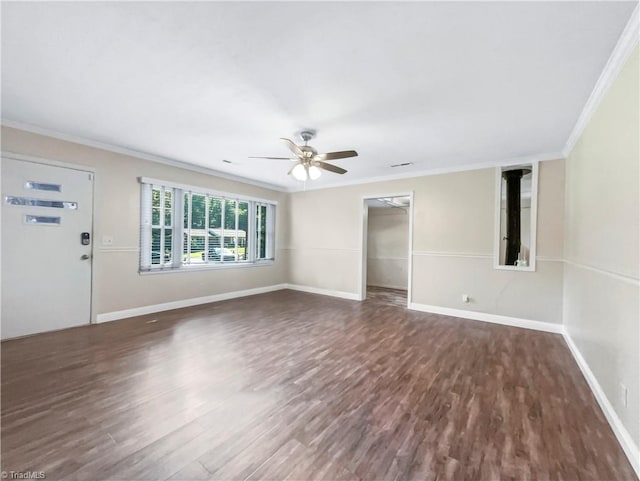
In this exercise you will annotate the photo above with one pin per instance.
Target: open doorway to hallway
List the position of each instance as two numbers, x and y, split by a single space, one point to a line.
387 246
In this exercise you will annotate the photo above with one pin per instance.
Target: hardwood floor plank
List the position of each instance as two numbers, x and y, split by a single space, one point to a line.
295 386
194 471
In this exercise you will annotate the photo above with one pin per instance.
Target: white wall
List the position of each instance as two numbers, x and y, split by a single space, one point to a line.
118 285
601 283
388 247
596 291
452 248
452 242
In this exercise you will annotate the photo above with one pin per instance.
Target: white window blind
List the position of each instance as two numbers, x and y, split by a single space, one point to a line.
265 224
185 227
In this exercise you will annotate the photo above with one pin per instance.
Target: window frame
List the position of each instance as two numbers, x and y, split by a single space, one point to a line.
178 230
533 217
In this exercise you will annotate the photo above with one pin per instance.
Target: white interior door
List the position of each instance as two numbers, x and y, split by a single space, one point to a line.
46 267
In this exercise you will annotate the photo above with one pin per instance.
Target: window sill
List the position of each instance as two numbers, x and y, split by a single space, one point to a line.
206 267
530 268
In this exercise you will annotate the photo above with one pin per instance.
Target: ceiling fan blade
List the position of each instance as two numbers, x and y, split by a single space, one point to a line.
273 158
329 167
336 155
293 147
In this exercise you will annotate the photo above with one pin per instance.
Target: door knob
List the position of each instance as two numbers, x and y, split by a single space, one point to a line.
85 257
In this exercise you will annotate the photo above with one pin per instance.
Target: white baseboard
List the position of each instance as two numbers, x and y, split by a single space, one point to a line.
623 436
485 317
324 292
388 286
167 306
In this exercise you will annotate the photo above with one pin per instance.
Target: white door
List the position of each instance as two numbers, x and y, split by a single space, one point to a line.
46 264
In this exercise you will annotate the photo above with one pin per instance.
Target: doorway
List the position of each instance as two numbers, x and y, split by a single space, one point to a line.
47 217
386 249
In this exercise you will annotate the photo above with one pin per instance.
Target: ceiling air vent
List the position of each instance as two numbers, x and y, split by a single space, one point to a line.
404 164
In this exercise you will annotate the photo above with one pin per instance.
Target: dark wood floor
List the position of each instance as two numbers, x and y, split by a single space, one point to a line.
296 386
384 295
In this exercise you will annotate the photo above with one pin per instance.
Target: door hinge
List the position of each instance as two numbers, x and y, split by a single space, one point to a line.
90 176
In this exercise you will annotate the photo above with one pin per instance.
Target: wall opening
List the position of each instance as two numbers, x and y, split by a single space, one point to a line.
386 276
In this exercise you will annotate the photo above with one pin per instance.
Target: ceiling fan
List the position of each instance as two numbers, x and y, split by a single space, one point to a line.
308 161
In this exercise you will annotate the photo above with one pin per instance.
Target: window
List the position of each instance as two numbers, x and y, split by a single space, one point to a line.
183 227
515 221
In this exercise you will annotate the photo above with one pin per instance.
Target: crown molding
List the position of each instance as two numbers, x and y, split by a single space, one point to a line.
543 157
621 52
301 188
619 55
135 153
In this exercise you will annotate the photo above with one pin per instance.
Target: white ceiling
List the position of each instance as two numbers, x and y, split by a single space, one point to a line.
441 85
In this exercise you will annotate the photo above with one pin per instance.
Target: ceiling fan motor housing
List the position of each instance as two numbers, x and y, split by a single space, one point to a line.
308 152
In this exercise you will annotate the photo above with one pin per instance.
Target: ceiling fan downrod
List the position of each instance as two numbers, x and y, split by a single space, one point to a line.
307 135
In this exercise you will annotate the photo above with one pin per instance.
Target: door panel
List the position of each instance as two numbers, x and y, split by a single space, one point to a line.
46 269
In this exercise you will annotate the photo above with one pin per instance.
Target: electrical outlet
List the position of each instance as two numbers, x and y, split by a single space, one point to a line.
107 240
624 394
465 298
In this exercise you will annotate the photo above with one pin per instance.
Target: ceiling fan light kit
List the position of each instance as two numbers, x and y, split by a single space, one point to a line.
314 172
309 162
299 173
303 172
